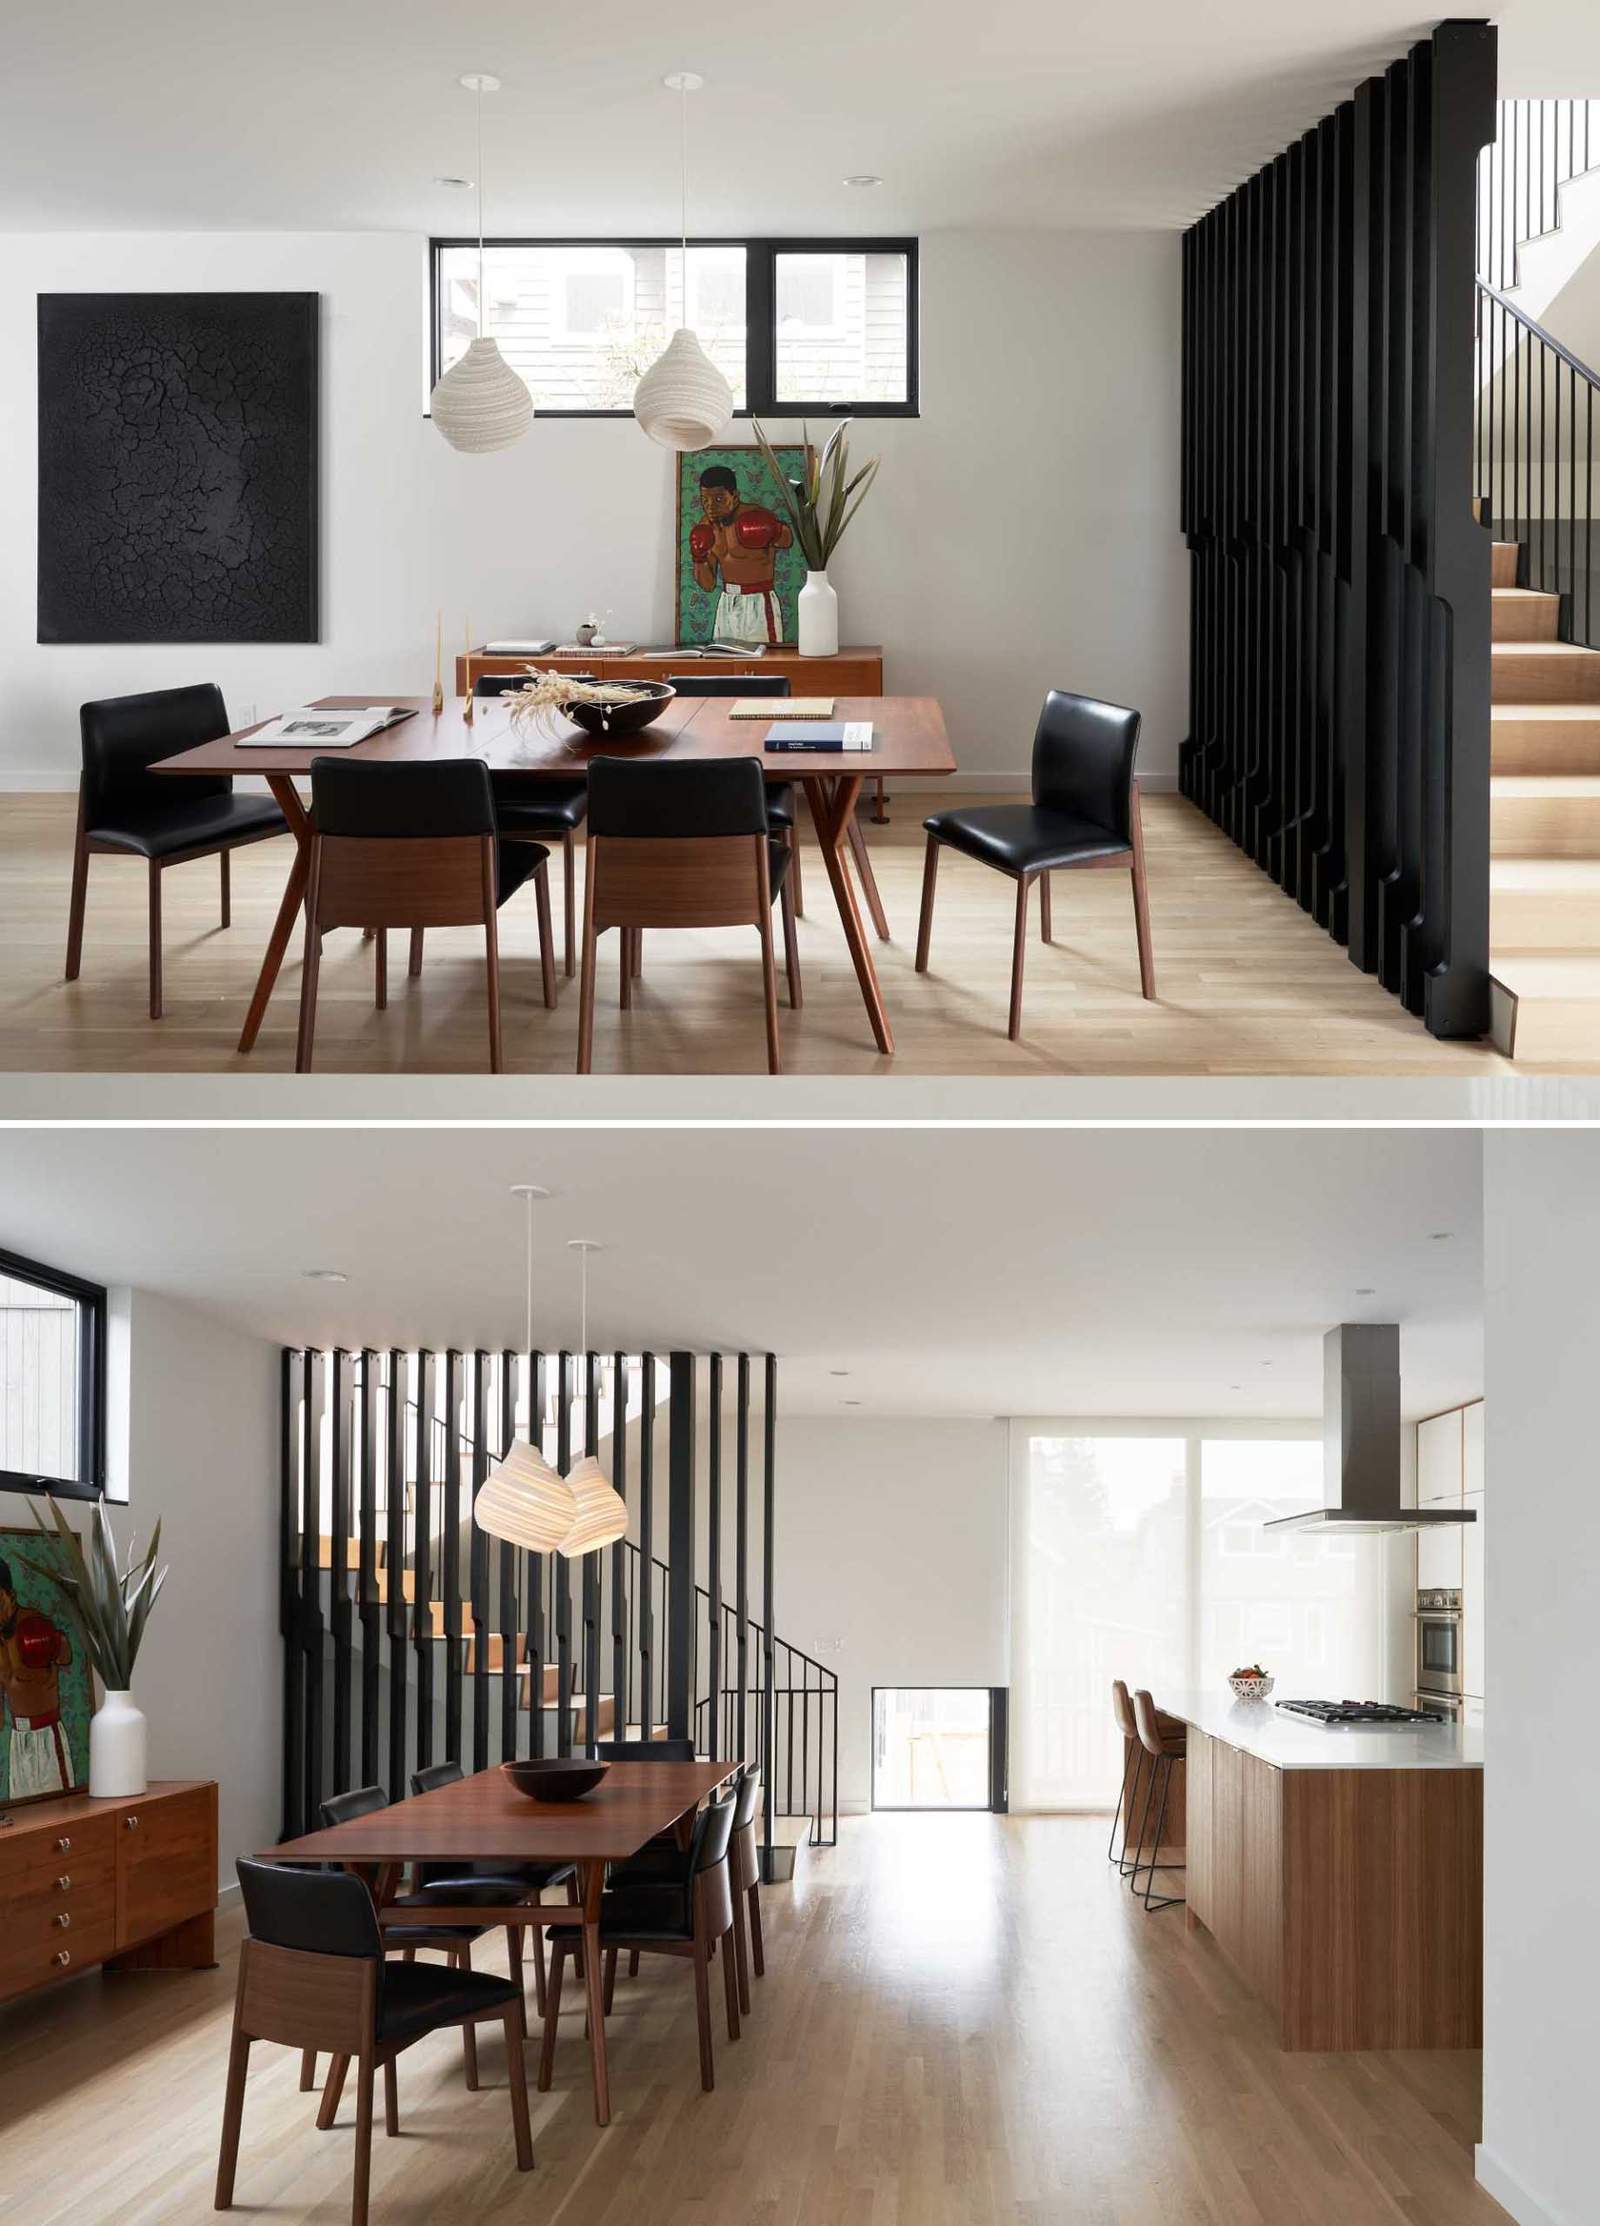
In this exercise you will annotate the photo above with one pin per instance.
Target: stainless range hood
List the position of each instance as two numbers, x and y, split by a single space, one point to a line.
1361 1438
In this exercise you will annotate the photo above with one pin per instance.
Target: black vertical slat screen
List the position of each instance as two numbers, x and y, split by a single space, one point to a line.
1339 672
400 1649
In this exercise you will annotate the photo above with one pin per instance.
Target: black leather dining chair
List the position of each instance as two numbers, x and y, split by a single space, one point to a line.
312 1976
124 808
1085 812
397 844
782 796
549 811
487 1885
678 846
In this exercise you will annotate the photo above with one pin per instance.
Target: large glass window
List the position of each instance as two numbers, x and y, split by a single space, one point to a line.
829 327
931 1747
1142 1554
52 1344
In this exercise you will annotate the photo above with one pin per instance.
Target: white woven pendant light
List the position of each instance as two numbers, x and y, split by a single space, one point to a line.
523 1500
683 401
480 404
602 1516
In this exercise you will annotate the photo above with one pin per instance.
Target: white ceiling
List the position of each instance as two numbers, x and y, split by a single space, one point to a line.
962 1271
180 114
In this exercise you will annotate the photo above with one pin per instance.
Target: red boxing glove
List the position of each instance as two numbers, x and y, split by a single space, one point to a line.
702 540
756 529
37 1639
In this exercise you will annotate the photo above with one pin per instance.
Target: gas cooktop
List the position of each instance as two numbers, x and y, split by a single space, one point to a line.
1358 1712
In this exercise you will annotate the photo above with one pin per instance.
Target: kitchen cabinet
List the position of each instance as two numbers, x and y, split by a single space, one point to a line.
1439 1556
1440 1443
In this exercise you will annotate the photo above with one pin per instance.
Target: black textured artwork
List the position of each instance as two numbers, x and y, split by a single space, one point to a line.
177 467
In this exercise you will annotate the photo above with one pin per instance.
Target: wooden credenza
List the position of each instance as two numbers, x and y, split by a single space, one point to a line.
129 1883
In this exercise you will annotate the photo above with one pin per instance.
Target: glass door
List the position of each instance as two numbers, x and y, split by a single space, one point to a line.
932 1747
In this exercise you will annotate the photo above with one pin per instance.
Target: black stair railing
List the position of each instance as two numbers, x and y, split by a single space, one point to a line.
1534 458
1539 146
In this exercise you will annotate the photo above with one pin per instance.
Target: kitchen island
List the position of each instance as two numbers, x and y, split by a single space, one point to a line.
1339 1870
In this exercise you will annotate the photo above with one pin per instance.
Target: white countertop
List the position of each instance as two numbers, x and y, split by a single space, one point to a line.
1301 1743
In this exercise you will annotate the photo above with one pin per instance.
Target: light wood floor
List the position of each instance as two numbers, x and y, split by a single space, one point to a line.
964 2023
1248 985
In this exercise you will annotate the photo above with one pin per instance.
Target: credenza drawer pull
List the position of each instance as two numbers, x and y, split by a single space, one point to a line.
64 1919
62 1956
130 1824
63 1883
63 1847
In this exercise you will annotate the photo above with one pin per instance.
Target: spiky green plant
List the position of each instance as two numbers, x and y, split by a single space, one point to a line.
110 1606
821 503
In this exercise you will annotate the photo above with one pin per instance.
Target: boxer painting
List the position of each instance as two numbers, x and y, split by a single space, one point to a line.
738 569
44 1684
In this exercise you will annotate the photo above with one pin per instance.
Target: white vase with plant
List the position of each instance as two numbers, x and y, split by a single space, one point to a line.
818 507
110 1607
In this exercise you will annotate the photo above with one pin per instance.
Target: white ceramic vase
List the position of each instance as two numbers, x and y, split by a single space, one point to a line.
817 611
117 1749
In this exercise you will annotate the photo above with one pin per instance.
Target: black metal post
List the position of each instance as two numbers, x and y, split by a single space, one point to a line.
680 1546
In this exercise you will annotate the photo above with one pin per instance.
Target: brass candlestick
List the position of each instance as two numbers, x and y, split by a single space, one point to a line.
438 663
466 709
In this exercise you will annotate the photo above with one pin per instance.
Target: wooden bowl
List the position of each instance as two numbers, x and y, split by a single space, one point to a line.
556 1778
614 722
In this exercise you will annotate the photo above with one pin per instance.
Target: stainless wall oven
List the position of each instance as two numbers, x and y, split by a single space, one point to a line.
1439 1645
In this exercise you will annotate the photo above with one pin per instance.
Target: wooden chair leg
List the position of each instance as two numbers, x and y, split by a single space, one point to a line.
791 946
310 968
514 1960
1019 950
227 889
552 2014
638 954
329 2108
702 2008
611 1979
491 956
155 939
358 2200
462 1959
586 986
741 1953
730 1986
391 2100
1141 903
769 987
414 962
380 969
633 1963
547 940
517 2072
308 2070
80 892
930 875
569 899
1044 908
794 867
232 2115
537 1934
625 974
757 1958
408 1955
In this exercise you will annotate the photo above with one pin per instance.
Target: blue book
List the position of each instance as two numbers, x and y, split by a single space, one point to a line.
831 735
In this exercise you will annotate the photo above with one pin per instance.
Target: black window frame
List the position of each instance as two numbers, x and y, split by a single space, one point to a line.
90 1299
760 314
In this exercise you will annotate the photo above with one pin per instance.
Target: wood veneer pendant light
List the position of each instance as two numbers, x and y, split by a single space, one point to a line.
683 401
480 404
602 1516
523 1500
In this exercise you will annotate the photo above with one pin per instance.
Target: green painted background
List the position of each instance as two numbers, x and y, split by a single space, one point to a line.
28 1552
697 611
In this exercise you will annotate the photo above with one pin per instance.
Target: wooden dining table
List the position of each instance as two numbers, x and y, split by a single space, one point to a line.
909 739
484 1819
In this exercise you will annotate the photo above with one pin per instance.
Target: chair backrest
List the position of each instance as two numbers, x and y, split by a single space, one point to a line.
677 845
442 811
1083 755
713 1829
747 1800
124 735
344 1808
1147 1723
645 1750
436 1775
729 683
316 1912
665 802
1122 1709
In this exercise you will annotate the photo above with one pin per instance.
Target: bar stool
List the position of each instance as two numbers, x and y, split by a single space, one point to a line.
1132 1765
1166 1744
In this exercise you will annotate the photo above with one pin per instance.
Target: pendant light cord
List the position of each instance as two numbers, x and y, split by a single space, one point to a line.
480 336
527 1319
683 204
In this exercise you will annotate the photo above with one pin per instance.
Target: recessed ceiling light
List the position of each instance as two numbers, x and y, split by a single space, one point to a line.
480 81
1236 1387
1366 1290
463 182
1440 1236
850 1402
838 1371
528 1190
324 1275
863 178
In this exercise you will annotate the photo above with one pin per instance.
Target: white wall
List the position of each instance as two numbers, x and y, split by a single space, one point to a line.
891 1564
1541 1947
192 1429
1023 532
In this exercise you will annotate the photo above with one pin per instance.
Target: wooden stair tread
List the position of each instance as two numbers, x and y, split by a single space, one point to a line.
1508 713
1533 974
1527 595
1539 649
1544 785
1579 876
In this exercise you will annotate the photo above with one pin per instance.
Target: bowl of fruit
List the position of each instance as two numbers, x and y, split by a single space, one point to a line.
1252 1684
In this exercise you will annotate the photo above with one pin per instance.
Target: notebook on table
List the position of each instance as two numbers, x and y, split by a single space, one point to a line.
795 707
311 729
831 735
